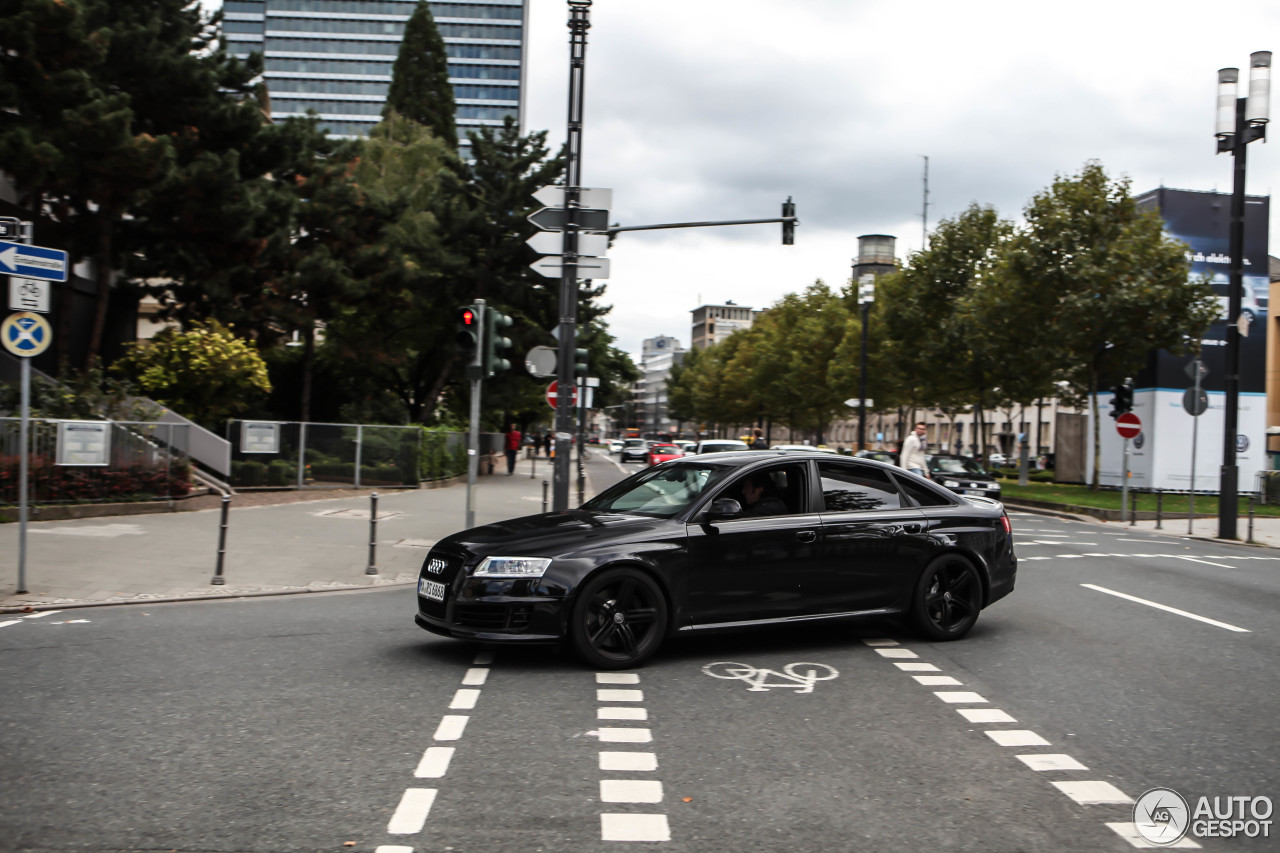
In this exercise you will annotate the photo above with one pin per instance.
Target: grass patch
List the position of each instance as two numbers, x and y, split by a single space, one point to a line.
1069 494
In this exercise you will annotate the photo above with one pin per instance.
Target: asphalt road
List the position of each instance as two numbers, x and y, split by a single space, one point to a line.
307 723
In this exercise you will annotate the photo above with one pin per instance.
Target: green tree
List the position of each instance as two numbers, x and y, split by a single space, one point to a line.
1106 284
931 317
420 89
107 113
205 373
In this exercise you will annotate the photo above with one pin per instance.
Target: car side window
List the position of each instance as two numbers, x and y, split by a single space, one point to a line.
778 490
922 495
851 487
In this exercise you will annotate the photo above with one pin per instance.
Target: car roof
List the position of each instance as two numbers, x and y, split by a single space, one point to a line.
739 458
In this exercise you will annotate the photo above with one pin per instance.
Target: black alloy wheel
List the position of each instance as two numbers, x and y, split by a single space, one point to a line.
948 599
619 620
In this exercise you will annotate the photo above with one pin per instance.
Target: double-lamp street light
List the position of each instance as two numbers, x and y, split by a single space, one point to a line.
1240 121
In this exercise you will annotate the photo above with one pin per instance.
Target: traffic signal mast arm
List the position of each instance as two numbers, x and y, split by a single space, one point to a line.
788 220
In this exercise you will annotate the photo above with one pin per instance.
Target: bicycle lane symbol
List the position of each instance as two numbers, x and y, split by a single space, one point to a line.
801 676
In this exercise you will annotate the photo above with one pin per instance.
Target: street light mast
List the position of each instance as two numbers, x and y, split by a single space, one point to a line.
1240 121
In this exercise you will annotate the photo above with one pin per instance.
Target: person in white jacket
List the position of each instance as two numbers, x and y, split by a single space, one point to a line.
912 455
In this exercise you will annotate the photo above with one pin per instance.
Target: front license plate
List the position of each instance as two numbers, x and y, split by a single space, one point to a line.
431 589
974 491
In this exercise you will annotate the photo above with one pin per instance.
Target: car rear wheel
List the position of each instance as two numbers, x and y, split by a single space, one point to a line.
947 599
619 620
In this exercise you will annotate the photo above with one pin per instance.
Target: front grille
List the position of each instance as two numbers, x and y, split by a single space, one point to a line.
493 617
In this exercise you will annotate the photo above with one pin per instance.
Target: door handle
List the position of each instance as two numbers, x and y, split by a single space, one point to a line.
806 535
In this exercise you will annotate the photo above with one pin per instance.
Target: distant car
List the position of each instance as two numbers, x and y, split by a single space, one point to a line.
615 445
878 455
962 475
686 445
997 460
662 452
720 445
633 450
807 448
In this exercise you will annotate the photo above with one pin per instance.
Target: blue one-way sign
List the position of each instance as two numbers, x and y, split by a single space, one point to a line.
33 261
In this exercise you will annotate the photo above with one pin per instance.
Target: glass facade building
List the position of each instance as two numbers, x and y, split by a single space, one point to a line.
335 56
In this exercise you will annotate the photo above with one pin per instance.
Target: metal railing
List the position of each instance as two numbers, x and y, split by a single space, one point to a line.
144 461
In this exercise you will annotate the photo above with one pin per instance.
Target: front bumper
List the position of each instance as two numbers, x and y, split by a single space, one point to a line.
497 611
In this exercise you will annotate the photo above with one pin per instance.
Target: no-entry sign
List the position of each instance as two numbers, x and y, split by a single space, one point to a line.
1128 425
552 395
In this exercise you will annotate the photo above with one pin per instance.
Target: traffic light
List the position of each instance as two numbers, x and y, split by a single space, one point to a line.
468 330
495 342
580 362
789 226
1121 400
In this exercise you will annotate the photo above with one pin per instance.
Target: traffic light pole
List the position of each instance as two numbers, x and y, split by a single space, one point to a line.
476 373
579 23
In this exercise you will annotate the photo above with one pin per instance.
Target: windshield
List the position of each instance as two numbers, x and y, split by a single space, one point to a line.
722 446
955 465
664 449
663 491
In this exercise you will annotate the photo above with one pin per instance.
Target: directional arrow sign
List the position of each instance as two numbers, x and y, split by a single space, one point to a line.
33 261
554 219
552 267
551 243
553 196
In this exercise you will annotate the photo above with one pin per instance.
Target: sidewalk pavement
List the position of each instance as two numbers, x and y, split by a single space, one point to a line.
1266 530
309 545
300 546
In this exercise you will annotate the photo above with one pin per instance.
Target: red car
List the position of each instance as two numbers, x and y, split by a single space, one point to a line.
663 452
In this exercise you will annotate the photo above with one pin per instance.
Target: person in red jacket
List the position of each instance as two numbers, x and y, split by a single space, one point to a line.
513 447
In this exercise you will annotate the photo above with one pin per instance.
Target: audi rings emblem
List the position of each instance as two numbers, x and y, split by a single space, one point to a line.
435 566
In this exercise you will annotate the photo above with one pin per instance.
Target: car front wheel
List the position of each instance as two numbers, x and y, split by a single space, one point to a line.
619 619
947 599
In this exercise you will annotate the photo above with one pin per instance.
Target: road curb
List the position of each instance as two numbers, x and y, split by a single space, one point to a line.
11 609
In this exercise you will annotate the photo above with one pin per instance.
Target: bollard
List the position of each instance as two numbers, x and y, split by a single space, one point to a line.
218 579
544 495
373 534
1159 508
1250 539
533 466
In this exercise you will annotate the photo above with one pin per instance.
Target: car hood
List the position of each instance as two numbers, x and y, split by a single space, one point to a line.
553 534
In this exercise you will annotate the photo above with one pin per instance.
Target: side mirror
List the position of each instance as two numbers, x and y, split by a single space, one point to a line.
724 508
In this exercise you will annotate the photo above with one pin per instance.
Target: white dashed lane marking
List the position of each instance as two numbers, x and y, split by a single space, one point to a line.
1086 792
411 815
1165 608
627 826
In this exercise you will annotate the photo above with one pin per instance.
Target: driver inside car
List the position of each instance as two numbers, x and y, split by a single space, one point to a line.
758 497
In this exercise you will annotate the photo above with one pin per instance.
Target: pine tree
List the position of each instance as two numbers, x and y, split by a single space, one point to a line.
420 88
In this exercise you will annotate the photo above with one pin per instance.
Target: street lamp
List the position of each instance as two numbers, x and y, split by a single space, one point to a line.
1240 121
866 296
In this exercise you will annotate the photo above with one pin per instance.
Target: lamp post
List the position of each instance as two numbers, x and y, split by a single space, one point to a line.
1240 121
866 296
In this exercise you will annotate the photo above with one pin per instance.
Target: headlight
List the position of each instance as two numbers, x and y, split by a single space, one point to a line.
951 484
512 567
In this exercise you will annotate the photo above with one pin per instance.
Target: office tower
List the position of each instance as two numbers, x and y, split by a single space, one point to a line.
335 57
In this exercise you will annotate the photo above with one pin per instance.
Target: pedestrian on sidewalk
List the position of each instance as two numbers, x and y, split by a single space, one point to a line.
912 456
513 448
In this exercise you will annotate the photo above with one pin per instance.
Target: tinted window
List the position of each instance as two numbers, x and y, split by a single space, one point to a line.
846 488
923 495
781 491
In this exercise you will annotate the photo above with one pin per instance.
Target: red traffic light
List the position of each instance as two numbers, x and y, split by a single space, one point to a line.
468 317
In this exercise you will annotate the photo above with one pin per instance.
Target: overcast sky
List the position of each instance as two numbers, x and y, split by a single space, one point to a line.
720 109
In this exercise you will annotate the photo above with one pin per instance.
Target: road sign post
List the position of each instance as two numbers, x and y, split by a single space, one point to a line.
1128 425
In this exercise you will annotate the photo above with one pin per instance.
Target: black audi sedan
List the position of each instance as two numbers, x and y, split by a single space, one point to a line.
723 541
